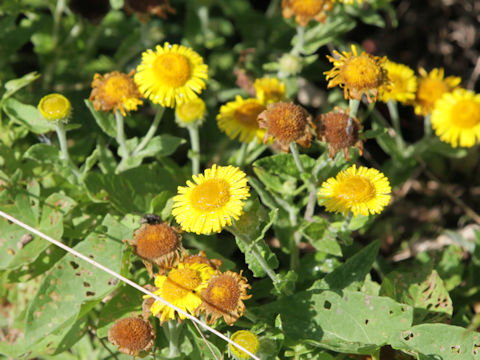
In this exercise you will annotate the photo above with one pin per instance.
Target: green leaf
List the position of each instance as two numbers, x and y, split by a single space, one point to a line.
351 274
105 120
14 85
72 282
439 341
423 289
163 145
316 232
43 153
28 116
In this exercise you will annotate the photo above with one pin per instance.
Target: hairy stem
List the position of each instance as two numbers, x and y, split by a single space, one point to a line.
121 135
151 131
195 144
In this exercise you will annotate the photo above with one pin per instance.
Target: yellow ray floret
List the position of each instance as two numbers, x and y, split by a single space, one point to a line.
172 74
210 202
360 190
456 118
403 84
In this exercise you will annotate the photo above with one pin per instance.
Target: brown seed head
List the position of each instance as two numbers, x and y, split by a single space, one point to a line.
286 122
144 8
339 131
132 335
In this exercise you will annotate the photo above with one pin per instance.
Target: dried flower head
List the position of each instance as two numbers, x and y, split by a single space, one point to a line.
357 74
431 87
223 297
239 118
144 8
115 91
201 258
306 10
181 288
456 118
55 107
248 340
360 190
192 111
170 75
286 122
402 86
269 90
340 131
211 202
158 244
132 335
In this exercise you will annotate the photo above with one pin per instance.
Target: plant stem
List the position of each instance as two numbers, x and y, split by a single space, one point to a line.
353 105
62 140
151 131
298 48
241 153
393 110
375 355
121 135
296 156
57 18
195 143
347 221
172 332
427 126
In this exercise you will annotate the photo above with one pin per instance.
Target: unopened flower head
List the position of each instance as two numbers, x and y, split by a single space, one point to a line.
286 122
269 90
431 87
403 84
238 118
357 74
456 118
181 287
224 296
170 75
212 200
306 10
248 340
360 190
190 112
132 335
340 131
55 107
115 91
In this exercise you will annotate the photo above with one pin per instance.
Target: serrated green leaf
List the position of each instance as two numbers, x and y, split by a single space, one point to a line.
316 232
27 115
163 145
43 153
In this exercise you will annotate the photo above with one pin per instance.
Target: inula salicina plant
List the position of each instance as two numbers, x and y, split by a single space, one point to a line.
238 179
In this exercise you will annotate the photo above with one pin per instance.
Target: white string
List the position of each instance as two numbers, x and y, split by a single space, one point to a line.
125 280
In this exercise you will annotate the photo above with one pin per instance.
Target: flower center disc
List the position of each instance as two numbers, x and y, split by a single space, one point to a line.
356 189
211 195
362 72
180 283
117 86
307 7
224 294
56 107
173 70
430 90
466 114
247 114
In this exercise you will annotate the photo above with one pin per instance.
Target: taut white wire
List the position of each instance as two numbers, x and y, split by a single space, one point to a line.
125 280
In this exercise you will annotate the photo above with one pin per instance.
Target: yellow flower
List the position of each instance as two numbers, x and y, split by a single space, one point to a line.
212 200
223 297
172 74
239 118
403 84
248 340
115 91
350 1
190 112
357 74
362 191
306 10
269 90
456 118
55 107
431 87
181 288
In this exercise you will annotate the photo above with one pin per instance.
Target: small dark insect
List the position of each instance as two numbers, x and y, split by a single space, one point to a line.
150 219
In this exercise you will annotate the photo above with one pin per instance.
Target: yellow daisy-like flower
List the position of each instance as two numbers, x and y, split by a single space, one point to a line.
403 84
172 74
456 118
362 191
357 74
248 340
189 112
181 288
212 200
55 107
431 87
115 91
239 118
306 10
350 1
269 90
